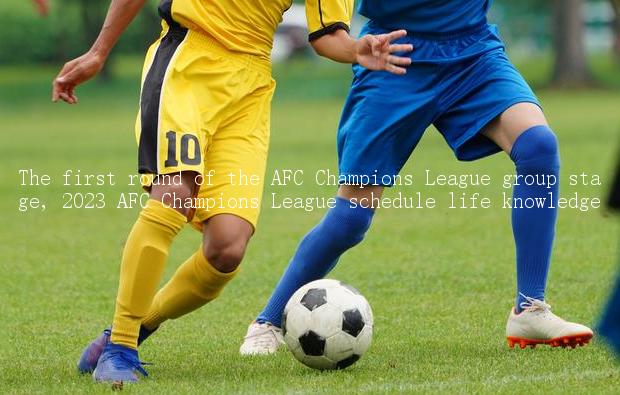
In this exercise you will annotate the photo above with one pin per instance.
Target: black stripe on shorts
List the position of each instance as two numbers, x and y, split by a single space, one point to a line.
165 12
149 102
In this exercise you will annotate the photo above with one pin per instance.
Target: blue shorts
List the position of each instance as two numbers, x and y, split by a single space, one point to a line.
458 83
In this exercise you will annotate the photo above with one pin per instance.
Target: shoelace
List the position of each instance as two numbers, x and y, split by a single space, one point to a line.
120 361
533 304
258 339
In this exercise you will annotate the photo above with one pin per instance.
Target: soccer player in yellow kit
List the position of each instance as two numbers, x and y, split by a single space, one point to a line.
204 110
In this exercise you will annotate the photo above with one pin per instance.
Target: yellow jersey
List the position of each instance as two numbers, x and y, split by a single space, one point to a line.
248 26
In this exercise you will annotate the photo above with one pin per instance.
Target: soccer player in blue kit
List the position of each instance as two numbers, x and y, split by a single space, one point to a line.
461 81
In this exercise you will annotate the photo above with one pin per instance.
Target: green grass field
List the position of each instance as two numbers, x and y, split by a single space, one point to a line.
440 281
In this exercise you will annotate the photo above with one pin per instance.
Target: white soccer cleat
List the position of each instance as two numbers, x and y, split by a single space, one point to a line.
261 339
536 324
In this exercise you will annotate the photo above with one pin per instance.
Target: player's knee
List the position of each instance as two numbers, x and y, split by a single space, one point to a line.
350 223
225 254
544 143
537 149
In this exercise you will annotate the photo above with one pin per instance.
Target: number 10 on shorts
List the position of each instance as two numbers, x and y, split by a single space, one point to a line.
188 147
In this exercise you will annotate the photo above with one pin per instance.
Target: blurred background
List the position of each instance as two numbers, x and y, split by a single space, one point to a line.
573 43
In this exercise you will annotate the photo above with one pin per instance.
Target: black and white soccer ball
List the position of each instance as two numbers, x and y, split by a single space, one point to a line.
327 325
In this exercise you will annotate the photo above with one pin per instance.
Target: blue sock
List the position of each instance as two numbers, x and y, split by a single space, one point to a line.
535 153
342 228
609 325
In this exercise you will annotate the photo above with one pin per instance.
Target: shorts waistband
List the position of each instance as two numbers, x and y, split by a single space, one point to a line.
209 42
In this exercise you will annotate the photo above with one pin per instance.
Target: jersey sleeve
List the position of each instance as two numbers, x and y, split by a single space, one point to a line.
327 16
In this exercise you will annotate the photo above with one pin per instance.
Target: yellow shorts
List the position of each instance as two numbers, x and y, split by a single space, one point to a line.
206 109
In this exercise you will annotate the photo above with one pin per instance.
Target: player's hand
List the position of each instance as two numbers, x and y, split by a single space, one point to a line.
376 52
74 73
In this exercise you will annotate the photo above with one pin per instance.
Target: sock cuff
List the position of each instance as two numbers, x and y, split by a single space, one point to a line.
155 211
344 205
153 319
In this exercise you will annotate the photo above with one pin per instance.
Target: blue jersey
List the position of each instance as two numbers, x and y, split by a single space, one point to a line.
427 16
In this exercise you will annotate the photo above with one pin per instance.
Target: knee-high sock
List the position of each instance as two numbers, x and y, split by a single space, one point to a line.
142 266
342 228
195 283
535 153
609 325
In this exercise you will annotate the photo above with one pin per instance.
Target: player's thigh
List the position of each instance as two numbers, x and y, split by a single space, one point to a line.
236 160
481 91
170 144
506 128
168 127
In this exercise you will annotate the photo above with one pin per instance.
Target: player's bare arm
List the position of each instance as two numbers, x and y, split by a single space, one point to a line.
85 67
374 52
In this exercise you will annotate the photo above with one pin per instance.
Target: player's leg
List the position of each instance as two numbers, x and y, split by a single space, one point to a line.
144 257
171 151
522 132
228 209
383 119
609 325
202 277
92 352
237 138
342 228
496 110
142 266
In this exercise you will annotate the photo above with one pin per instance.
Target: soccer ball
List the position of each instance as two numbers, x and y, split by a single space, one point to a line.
327 325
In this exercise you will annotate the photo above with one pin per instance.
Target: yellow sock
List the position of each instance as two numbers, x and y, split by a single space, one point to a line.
194 284
142 266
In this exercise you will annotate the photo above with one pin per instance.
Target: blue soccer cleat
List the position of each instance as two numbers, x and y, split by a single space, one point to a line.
117 365
92 352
